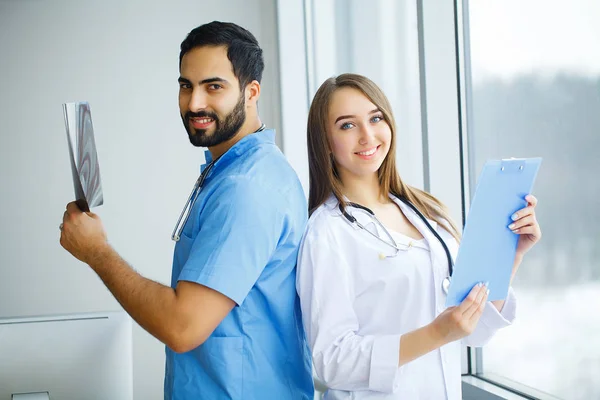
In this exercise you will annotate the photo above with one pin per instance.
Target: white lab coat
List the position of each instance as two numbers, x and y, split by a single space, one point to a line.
356 306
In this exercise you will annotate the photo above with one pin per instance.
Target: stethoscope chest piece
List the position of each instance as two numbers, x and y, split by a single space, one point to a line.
446 284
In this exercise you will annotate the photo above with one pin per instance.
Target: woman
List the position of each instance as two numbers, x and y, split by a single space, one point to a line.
372 297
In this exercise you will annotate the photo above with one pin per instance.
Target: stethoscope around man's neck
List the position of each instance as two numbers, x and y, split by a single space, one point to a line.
189 204
392 243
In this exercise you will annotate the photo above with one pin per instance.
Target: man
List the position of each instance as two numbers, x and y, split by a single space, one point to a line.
231 318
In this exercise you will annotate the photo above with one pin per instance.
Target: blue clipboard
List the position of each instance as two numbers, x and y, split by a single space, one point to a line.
487 249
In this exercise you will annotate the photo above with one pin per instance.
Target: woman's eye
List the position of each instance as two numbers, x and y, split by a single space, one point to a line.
377 118
346 126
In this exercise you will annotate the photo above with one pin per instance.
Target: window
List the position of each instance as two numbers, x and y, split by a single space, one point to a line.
528 85
535 91
383 47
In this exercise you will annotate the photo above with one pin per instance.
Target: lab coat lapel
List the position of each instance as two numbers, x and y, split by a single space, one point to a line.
436 251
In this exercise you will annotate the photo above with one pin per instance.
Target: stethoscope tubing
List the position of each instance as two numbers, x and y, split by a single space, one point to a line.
191 201
353 220
189 204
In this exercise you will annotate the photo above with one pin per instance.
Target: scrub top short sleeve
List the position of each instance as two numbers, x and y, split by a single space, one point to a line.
240 227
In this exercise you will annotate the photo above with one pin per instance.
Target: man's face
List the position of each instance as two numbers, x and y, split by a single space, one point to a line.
210 101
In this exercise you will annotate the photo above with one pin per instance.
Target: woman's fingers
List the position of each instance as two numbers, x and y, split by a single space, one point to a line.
477 314
469 300
476 305
522 213
523 222
529 210
533 230
531 200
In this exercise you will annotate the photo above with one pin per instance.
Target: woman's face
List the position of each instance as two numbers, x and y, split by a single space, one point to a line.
359 135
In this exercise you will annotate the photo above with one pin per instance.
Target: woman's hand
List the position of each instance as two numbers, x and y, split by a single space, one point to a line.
525 224
460 321
528 229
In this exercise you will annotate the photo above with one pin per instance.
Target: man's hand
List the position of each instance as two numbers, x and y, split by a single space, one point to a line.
82 233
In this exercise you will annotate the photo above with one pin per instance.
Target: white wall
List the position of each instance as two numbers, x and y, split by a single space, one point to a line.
122 57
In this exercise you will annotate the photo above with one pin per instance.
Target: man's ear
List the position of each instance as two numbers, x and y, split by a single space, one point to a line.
252 93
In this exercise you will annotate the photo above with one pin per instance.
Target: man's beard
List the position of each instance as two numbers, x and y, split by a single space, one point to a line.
223 130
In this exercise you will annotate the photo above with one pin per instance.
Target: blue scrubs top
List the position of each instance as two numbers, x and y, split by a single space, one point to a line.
242 240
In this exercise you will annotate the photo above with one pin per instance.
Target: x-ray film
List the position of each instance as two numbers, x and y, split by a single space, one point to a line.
84 159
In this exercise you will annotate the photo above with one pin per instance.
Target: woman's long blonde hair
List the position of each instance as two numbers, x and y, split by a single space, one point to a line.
323 176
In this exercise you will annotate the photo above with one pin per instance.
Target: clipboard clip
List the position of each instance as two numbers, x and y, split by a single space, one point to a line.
513 164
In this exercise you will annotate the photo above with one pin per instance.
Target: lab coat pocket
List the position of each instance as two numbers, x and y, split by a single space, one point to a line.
222 359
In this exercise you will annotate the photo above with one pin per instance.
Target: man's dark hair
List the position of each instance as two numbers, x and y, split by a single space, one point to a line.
243 50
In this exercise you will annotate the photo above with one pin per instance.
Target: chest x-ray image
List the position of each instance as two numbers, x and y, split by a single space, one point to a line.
84 158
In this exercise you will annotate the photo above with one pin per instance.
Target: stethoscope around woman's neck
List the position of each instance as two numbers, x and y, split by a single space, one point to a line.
392 243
